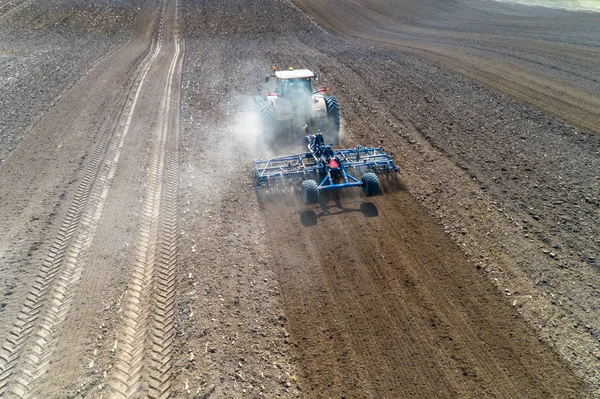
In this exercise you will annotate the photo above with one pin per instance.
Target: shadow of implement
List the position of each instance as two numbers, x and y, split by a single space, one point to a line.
310 218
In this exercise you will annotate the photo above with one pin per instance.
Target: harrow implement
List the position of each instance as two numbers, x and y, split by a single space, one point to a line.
324 168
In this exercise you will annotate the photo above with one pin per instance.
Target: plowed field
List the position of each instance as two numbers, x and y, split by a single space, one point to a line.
135 260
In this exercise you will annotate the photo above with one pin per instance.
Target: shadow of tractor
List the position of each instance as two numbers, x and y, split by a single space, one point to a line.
310 218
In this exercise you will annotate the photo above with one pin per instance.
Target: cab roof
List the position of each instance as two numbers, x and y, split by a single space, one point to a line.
294 74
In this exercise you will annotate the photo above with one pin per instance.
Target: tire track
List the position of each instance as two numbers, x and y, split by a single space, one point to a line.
10 8
27 351
26 320
162 331
150 297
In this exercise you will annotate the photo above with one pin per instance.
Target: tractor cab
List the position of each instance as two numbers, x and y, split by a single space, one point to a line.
295 108
293 84
296 88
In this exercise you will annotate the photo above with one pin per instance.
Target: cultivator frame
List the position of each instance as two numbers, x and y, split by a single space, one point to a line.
324 168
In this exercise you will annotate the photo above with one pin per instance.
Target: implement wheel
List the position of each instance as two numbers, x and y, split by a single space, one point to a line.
370 184
310 192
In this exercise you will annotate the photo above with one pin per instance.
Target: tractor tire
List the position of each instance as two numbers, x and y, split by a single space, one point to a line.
310 192
266 110
370 184
333 120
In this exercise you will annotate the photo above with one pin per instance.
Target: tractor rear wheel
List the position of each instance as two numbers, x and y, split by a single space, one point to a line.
310 192
266 110
333 120
370 184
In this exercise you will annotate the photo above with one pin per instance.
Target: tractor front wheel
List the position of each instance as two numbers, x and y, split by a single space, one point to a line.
310 192
370 184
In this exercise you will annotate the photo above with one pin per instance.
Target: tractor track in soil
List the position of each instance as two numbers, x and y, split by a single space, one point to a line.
12 7
43 323
32 340
25 359
146 342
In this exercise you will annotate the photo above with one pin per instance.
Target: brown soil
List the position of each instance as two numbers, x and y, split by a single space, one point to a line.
136 261
542 57
383 304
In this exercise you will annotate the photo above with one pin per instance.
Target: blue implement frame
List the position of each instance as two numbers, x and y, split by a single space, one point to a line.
316 164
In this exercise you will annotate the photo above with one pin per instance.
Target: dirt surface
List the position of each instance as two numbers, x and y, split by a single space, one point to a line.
546 58
45 49
367 119
136 261
74 185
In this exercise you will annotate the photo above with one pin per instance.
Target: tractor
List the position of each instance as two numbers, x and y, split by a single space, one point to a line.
296 108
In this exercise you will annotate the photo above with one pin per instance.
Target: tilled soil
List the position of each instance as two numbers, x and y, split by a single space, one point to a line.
139 263
543 57
539 173
373 114
45 47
